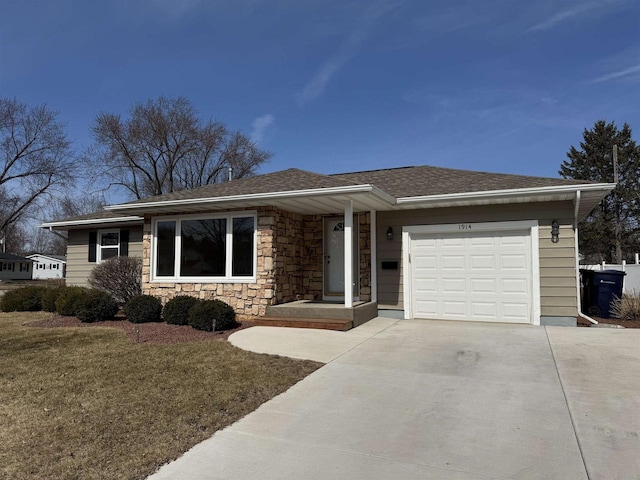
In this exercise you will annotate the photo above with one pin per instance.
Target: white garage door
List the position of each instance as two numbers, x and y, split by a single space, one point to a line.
484 276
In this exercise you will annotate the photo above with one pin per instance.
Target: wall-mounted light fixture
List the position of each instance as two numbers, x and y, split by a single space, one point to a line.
389 233
555 231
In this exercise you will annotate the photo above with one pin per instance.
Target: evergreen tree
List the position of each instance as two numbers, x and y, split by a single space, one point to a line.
611 232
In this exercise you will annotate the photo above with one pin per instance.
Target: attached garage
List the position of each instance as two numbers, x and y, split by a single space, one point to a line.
472 271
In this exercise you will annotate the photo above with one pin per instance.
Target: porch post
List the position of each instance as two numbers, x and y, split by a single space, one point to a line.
374 256
348 254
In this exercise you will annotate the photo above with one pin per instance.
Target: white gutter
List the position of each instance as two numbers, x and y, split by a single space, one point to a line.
508 193
575 236
353 189
91 221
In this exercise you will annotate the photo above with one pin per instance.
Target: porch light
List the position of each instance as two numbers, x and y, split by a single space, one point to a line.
555 231
389 233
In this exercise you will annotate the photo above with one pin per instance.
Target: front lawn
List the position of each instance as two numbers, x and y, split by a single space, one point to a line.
87 403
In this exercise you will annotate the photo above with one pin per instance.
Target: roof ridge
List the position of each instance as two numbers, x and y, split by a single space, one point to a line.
462 170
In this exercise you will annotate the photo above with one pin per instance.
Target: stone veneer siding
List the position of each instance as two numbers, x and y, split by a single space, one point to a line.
289 265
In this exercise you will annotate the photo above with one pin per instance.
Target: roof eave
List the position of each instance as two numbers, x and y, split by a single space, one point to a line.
64 224
551 193
381 198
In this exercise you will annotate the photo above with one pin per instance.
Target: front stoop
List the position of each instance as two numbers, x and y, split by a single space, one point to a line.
322 315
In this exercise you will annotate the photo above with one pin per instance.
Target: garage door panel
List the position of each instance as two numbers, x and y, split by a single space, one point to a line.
426 285
453 262
514 262
484 285
454 285
452 242
482 262
515 312
427 308
472 276
512 241
425 262
484 310
453 308
481 242
515 285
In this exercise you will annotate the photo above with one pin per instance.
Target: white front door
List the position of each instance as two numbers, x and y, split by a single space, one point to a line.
334 258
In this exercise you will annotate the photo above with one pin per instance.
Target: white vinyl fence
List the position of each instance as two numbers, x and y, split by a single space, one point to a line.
632 270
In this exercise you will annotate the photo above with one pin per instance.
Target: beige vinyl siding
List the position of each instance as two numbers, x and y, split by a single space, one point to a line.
557 260
78 265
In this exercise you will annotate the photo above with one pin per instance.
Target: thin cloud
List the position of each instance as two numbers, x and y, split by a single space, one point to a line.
316 86
564 15
619 74
259 127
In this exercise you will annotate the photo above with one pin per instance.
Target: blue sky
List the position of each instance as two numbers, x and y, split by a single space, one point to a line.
333 86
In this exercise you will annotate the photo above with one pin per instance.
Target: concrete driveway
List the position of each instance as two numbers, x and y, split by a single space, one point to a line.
445 400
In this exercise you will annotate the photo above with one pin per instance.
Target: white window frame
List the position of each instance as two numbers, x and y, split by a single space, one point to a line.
228 278
99 245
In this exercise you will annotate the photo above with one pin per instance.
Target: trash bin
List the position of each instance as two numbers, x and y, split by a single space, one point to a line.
599 289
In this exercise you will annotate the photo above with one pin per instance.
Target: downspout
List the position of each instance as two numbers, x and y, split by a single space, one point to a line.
57 234
575 233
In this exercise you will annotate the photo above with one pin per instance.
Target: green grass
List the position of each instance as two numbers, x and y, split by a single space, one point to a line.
89 404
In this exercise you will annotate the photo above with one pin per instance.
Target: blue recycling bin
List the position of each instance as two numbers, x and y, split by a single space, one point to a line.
599 289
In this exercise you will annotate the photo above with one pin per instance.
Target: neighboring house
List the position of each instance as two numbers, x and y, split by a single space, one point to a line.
413 242
14 267
48 266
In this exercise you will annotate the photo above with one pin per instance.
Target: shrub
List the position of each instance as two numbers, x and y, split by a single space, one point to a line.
119 276
25 299
176 311
209 315
67 302
96 306
143 308
627 307
49 298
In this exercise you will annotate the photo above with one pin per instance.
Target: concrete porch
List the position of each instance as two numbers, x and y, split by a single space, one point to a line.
318 314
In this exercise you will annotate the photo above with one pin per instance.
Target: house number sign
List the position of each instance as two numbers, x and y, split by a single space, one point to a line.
464 226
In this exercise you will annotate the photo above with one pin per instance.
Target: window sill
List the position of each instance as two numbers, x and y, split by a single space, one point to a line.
206 280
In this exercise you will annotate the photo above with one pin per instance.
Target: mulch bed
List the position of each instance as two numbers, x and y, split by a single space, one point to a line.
149 333
613 321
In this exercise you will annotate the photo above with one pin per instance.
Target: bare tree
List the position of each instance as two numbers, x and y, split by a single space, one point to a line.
64 206
163 147
35 159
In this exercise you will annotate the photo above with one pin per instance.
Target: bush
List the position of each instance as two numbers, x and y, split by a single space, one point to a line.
627 307
67 302
49 298
119 276
176 311
143 308
210 315
25 299
96 306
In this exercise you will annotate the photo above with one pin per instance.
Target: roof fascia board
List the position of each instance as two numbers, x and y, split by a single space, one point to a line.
92 221
351 189
46 256
498 194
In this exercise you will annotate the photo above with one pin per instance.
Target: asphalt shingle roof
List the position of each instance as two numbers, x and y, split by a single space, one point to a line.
413 181
426 180
399 182
13 258
282 181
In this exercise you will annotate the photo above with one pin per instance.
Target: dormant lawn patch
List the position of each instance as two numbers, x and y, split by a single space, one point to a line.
88 403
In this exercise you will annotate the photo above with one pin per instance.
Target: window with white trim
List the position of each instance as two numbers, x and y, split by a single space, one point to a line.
108 244
196 248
